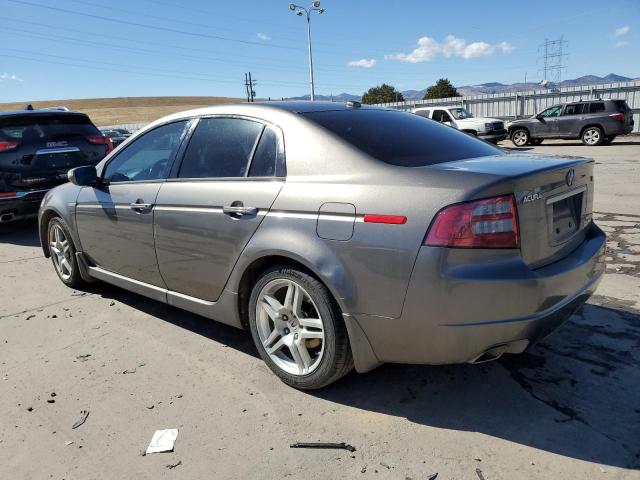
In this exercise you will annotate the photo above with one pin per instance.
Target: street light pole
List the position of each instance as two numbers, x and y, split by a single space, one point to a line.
301 11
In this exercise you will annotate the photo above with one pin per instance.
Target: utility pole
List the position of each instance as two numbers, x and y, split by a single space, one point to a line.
249 83
301 11
553 54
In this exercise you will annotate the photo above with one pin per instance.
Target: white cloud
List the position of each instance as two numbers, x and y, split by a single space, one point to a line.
263 36
622 43
13 77
429 48
621 31
363 63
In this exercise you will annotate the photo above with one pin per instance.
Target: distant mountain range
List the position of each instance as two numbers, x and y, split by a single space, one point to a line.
485 88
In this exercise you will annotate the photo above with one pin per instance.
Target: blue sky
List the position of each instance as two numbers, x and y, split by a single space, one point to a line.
90 48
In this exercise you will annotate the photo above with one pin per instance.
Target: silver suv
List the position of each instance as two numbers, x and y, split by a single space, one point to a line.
595 122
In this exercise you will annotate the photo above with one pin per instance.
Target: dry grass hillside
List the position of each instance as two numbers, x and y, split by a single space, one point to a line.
113 111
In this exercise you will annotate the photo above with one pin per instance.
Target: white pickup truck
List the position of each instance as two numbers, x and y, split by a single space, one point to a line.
489 129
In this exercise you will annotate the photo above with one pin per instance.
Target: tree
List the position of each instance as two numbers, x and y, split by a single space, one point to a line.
442 89
382 94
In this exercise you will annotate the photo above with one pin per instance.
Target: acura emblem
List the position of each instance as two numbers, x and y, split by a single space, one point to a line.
569 177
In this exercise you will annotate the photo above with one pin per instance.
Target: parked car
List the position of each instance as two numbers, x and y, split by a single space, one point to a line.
337 234
595 122
37 149
123 132
489 129
116 137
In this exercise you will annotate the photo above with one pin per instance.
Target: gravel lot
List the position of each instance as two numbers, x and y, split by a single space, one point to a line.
570 408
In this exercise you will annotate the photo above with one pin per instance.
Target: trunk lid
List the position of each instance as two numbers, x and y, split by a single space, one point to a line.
554 199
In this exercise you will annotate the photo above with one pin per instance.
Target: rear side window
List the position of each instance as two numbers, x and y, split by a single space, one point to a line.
220 147
596 107
266 155
423 113
401 139
574 109
34 128
441 116
621 105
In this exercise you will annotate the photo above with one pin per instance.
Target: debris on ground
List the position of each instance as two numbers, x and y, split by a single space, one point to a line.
112 303
53 394
150 407
84 357
29 409
479 473
70 442
163 441
50 400
171 466
363 469
83 418
433 476
339 446
30 317
125 372
382 464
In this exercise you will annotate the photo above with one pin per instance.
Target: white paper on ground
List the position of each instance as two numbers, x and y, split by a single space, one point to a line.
163 441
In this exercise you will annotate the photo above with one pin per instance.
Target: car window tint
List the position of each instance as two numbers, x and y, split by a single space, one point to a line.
574 109
220 147
441 116
597 107
401 138
147 157
45 127
264 160
423 113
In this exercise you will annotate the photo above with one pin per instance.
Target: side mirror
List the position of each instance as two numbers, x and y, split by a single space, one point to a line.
83 176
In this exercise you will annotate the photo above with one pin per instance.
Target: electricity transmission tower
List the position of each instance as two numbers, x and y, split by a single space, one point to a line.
553 56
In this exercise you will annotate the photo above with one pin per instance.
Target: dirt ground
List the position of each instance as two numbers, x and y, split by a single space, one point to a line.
567 409
115 111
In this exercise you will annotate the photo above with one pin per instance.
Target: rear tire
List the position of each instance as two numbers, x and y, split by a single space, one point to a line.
592 136
520 137
608 140
63 253
298 328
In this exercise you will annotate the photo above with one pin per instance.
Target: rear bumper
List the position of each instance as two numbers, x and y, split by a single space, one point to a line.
462 303
22 205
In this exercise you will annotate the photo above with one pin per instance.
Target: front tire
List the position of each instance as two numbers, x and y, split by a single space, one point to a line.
520 137
63 253
298 329
592 136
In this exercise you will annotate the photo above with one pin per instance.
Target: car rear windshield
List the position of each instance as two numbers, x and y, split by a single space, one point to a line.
401 138
45 127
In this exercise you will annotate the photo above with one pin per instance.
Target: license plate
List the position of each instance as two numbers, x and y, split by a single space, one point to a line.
567 213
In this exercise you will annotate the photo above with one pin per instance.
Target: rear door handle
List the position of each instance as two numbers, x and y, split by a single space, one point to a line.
141 207
239 211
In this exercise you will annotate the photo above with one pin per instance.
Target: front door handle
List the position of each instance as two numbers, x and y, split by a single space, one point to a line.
141 207
239 211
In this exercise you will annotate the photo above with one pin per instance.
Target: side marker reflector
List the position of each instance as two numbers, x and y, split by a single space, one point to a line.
390 219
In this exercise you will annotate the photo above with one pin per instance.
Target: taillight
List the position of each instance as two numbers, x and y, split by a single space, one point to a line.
488 223
618 117
101 140
7 194
5 146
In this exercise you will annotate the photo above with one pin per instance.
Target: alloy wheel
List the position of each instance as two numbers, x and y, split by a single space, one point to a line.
591 136
60 248
520 138
290 327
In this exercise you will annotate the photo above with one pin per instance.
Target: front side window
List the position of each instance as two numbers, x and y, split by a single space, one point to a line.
597 107
460 113
552 112
220 147
441 116
574 109
148 157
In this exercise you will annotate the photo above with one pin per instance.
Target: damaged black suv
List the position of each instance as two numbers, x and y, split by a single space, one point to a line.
37 149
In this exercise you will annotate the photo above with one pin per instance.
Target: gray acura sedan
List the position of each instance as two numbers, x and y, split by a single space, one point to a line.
339 235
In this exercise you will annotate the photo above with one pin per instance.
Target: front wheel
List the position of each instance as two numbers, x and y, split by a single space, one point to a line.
592 136
520 137
63 253
298 329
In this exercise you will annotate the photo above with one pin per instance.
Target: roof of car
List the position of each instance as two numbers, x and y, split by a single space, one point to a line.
306 106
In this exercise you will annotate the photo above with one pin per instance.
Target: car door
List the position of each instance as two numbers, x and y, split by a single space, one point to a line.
545 124
230 174
568 123
115 218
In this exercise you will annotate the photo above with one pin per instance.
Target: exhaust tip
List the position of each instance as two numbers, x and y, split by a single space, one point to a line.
490 355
